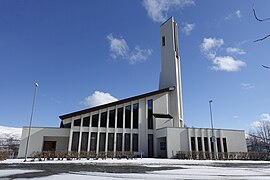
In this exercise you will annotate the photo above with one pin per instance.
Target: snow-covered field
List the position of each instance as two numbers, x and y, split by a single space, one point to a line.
185 169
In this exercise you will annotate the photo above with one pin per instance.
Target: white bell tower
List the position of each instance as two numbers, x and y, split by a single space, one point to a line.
170 74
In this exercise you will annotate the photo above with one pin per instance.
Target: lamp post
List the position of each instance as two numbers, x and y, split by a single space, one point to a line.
30 123
213 139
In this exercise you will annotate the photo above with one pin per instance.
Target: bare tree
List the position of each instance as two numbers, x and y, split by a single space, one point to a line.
259 137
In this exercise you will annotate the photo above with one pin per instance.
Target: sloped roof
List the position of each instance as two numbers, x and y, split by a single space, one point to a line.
65 116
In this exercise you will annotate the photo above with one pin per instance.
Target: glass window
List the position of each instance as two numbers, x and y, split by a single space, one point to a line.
150 145
150 114
103 121
199 139
77 122
127 116
110 141
84 141
162 145
95 120
86 121
127 142
102 141
206 145
193 148
135 116
119 142
163 40
212 144
75 141
218 145
112 118
225 145
120 117
135 142
93 144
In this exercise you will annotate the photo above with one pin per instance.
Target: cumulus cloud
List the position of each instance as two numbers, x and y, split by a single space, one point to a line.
209 44
188 28
120 49
157 9
210 47
98 98
247 86
236 51
259 122
236 14
227 63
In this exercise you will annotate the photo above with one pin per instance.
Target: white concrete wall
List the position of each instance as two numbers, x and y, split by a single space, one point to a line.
36 138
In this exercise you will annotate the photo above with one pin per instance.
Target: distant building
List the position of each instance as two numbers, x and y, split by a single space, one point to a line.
150 124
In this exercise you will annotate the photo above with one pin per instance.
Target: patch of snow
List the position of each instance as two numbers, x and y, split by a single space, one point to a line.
9 172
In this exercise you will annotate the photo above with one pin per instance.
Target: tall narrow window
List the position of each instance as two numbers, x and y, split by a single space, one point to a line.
93 144
135 116
218 145
135 142
95 120
120 117
206 145
103 120
119 142
84 141
75 141
193 144
150 114
127 116
199 139
163 40
212 144
150 145
127 142
112 118
110 141
86 121
102 141
77 122
225 145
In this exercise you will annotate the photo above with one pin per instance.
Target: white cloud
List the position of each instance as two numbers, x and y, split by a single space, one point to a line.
209 44
188 28
237 14
157 9
120 49
227 63
232 50
98 98
247 86
259 123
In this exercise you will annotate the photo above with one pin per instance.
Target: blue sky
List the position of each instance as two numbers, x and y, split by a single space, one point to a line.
86 52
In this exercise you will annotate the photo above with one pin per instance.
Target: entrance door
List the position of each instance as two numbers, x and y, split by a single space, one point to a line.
49 145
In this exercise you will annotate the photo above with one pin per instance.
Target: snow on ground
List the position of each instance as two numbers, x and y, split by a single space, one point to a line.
186 169
8 172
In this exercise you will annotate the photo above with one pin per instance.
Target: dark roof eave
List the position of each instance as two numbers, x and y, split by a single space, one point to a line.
62 117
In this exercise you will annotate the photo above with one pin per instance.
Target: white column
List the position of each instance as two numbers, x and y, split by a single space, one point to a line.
89 131
123 134
131 126
99 118
70 135
107 126
80 136
115 131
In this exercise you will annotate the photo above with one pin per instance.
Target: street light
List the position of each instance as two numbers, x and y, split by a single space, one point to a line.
213 139
30 123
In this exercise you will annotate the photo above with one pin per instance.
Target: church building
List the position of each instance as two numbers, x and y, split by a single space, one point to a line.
150 124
